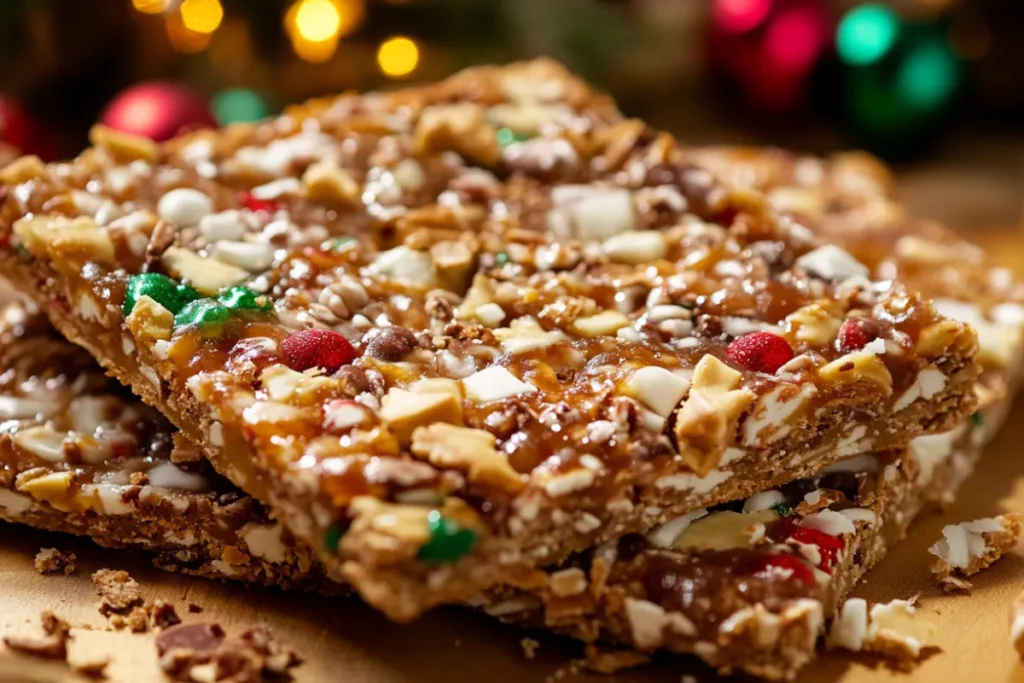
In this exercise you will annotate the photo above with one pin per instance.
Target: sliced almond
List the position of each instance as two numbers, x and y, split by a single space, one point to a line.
327 182
124 146
859 366
52 487
813 325
22 170
297 388
207 275
936 339
723 530
149 321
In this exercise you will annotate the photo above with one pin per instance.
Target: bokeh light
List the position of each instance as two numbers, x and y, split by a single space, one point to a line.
315 26
184 39
398 56
239 105
928 75
866 34
201 16
738 16
151 6
317 20
795 39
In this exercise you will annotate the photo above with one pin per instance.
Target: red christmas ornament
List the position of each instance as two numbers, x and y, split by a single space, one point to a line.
786 565
317 348
15 126
760 352
854 334
158 111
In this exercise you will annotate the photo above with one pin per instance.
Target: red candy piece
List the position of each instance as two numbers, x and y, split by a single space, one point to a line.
254 204
828 546
759 351
853 335
317 348
786 566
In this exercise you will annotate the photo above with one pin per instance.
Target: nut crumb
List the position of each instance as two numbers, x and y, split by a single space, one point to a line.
201 652
163 615
969 547
530 647
53 561
120 592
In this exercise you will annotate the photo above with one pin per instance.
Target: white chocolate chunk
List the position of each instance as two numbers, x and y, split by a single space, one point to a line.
254 257
829 522
226 225
635 247
929 382
168 476
184 207
15 408
495 383
42 442
264 541
209 276
599 324
851 625
665 535
525 334
277 188
765 500
832 263
406 266
591 213
659 389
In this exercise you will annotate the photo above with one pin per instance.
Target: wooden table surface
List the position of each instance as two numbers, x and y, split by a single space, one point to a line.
342 640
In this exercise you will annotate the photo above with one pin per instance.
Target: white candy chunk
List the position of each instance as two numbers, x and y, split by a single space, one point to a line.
860 515
168 476
563 484
851 625
495 383
14 408
42 442
589 213
635 247
765 500
665 535
264 541
107 499
255 257
659 389
829 522
184 207
930 450
491 315
832 263
693 483
276 158
962 542
277 188
927 384
525 334
406 266
342 414
769 420
226 225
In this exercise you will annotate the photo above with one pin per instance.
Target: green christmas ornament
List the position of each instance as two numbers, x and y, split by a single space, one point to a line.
159 288
204 313
239 105
243 300
448 539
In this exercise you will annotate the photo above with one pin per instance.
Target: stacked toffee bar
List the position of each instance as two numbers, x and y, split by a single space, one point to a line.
489 341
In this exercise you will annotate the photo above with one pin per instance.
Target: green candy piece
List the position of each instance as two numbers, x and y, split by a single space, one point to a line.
977 419
507 136
784 509
239 298
501 258
332 537
205 313
448 540
336 243
160 289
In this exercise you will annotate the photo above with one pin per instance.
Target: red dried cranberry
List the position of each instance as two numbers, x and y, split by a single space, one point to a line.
760 352
253 204
828 546
785 566
317 348
855 334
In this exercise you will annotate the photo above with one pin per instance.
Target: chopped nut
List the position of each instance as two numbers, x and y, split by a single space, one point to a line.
936 339
706 421
327 182
603 323
857 367
52 488
566 583
70 243
635 247
22 170
470 450
207 275
812 324
923 250
120 592
124 146
149 321
459 127
404 411
969 547
454 260
297 388
53 561
525 334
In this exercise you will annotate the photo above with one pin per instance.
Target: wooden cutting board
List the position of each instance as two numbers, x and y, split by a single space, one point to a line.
342 640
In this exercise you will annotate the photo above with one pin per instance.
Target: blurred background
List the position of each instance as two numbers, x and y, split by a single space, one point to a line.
934 86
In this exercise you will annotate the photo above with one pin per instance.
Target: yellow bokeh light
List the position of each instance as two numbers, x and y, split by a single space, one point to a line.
184 39
201 16
317 20
398 56
151 6
310 51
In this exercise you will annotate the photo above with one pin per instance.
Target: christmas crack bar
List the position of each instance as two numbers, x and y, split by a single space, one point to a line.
452 334
744 585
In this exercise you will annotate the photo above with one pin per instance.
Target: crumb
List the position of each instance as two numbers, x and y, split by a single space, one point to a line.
138 620
120 592
53 645
891 630
1017 625
138 478
193 608
611 661
117 622
163 615
96 667
967 548
530 647
53 561
202 652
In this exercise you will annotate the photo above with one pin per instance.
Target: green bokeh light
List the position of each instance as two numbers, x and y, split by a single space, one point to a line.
928 76
866 34
239 105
